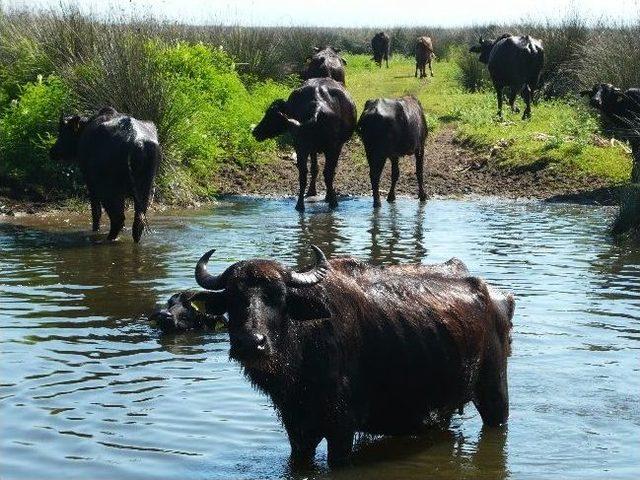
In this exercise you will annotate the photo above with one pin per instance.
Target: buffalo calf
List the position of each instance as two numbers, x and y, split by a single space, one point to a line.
118 156
391 129
424 55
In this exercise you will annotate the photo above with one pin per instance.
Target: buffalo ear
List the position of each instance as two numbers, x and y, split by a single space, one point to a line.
305 308
210 303
74 123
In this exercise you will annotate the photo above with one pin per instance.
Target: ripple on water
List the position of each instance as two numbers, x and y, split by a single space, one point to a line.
88 386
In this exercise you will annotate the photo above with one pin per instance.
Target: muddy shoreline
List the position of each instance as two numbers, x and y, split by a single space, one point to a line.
451 171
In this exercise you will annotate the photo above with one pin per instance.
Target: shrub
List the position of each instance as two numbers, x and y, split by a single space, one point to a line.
473 75
27 131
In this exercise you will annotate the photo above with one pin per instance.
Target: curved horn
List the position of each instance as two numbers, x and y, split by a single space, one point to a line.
204 278
313 276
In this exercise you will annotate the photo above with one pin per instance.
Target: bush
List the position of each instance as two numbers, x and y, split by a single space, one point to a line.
27 131
473 75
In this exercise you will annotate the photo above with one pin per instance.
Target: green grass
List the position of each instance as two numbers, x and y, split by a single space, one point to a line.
561 133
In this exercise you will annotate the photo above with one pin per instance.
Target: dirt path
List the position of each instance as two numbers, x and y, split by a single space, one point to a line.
451 171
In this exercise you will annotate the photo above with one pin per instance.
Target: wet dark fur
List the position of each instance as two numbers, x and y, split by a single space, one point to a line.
379 350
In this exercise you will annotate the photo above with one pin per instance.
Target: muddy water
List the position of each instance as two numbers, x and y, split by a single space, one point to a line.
89 390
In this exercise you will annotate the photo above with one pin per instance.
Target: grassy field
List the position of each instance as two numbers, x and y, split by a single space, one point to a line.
562 134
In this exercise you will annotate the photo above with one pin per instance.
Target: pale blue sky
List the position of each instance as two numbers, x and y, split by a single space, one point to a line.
354 12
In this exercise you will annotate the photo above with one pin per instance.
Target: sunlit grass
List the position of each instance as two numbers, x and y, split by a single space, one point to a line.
561 134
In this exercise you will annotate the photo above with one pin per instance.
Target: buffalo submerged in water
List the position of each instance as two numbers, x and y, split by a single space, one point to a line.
346 347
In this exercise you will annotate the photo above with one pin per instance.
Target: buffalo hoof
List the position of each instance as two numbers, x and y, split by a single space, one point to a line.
333 203
300 206
515 109
376 204
311 193
391 198
526 116
422 197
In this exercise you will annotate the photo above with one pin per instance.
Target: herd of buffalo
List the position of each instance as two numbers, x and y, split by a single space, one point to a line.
343 346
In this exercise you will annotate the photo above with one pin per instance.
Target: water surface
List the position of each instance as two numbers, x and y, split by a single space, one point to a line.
89 390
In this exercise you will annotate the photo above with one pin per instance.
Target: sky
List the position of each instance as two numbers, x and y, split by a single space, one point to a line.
352 13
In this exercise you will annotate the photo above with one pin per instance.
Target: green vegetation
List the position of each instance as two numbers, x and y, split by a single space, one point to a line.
204 86
562 134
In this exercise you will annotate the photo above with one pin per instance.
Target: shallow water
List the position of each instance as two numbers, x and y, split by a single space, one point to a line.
89 390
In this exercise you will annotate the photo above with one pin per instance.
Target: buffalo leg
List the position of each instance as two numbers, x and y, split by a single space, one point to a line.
430 68
148 161
330 165
312 192
512 100
386 59
339 447
303 445
635 171
96 213
499 95
491 396
526 96
115 211
420 173
395 173
302 178
375 170
417 67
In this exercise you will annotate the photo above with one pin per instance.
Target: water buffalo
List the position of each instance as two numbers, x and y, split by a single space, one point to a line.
186 311
321 117
380 45
515 62
325 63
621 112
118 156
391 129
424 55
345 347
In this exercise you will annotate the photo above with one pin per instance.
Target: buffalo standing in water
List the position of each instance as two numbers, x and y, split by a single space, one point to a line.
321 117
347 347
325 63
515 62
118 156
392 129
380 45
